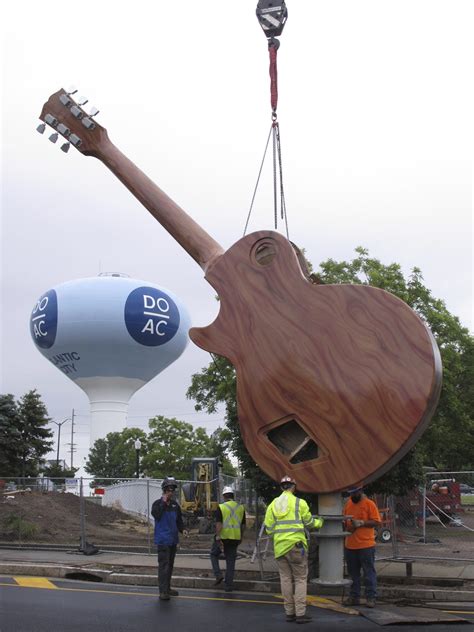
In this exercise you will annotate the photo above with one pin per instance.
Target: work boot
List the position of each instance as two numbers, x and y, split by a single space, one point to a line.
172 592
291 617
218 581
228 589
164 597
305 618
351 601
370 602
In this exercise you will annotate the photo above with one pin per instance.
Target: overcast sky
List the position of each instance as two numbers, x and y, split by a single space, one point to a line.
375 110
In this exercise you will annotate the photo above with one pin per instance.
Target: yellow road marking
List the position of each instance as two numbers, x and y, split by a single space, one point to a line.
322 602
34 582
136 594
327 604
458 611
330 604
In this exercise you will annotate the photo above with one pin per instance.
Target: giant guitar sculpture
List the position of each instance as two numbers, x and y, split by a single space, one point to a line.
335 383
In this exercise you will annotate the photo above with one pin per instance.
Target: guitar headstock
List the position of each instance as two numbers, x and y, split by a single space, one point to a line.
67 117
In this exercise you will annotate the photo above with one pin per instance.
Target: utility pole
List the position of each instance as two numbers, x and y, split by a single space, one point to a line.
59 424
72 439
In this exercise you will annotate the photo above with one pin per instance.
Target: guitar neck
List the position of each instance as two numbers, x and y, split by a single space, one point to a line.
197 243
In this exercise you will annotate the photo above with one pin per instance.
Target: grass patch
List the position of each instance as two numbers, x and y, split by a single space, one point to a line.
16 526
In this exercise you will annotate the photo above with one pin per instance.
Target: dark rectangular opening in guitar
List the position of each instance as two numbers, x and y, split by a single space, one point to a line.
293 442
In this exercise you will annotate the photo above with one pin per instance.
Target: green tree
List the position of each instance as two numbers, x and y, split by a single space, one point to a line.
9 436
58 473
219 446
115 455
166 450
34 438
449 441
172 445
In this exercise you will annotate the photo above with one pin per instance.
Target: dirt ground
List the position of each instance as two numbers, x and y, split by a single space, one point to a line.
49 517
54 518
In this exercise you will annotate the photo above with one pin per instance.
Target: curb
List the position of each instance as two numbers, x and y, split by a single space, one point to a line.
86 573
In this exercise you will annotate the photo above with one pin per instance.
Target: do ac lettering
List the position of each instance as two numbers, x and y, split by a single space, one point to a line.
151 316
153 328
152 303
38 321
37 329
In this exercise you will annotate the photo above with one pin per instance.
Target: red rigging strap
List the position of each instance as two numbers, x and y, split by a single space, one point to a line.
272 17
272 49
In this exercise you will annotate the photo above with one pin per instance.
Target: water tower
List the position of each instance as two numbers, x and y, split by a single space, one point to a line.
110 335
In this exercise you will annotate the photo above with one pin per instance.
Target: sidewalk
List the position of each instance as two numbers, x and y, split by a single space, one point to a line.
431 580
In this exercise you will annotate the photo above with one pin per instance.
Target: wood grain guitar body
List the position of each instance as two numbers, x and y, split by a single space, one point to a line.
335 383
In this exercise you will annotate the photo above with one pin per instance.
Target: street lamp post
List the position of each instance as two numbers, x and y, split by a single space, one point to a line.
138 445
59 424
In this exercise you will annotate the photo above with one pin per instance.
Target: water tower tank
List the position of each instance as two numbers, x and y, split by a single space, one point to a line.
110 335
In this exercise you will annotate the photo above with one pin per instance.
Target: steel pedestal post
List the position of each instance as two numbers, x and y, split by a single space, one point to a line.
331 542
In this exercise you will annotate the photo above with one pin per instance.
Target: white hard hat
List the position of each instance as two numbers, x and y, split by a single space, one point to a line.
227 490
287 479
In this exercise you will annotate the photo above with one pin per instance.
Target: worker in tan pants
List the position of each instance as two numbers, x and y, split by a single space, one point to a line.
286 519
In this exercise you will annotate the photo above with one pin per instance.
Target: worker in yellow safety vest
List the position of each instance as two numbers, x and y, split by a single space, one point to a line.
230 525
287 519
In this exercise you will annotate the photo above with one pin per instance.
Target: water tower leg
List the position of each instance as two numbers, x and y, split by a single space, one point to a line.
331 542
107 415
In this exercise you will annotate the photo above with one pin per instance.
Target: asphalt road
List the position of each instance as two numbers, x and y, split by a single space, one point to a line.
41 605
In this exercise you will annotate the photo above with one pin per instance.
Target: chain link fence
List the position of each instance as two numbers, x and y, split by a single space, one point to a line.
434 521
110 514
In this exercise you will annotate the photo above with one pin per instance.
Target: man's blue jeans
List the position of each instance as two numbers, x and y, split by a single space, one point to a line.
230 554
357 559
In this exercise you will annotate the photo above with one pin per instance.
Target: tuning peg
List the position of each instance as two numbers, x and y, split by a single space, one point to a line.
65 147
41 127
83 100
63 130
88 122
75 140
71 90
54 137
65 100
77 112
94 111
51 120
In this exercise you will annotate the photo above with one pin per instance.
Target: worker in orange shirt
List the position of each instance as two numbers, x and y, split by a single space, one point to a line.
360 545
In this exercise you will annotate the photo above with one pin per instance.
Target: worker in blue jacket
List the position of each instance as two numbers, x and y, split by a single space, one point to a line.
168 525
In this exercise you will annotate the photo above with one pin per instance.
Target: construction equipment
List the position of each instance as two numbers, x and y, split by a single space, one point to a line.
200 497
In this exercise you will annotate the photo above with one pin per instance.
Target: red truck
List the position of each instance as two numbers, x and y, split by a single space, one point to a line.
443 499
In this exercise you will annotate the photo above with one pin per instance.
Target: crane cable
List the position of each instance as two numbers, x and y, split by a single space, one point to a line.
272 19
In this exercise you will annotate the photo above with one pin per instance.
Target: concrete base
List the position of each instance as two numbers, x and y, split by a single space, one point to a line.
342 583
